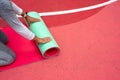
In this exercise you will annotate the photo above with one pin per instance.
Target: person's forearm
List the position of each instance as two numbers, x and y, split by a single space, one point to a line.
23 31
16 8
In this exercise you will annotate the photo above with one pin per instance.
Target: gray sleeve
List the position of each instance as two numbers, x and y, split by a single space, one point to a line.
7 13
16 8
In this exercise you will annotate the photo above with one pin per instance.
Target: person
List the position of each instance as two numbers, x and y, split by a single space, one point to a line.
8 11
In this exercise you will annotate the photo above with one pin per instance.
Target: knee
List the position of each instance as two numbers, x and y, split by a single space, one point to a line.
6 59
5 62
10 60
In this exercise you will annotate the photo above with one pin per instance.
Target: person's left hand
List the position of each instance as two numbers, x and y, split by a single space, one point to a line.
30 19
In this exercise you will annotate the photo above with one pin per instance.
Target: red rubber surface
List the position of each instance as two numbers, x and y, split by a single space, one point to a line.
89 51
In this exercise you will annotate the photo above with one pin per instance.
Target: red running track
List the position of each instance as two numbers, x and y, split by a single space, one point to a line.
26 51
89 51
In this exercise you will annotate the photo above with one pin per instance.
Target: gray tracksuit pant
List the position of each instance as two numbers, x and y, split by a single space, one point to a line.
7 56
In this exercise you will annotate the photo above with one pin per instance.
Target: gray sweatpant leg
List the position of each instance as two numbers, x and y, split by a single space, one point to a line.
7 56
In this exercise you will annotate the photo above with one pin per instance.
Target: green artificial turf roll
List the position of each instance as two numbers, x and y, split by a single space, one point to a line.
40 30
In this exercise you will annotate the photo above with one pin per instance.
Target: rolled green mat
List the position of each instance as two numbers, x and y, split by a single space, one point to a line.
40 30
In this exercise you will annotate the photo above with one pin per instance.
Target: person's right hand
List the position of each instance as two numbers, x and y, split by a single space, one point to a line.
41 40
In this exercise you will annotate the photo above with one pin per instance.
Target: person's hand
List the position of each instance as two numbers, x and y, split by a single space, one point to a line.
30 19
41 40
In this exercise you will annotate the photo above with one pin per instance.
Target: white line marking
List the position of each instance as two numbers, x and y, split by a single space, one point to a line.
77 10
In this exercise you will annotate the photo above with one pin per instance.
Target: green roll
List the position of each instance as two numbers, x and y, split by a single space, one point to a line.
40 30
